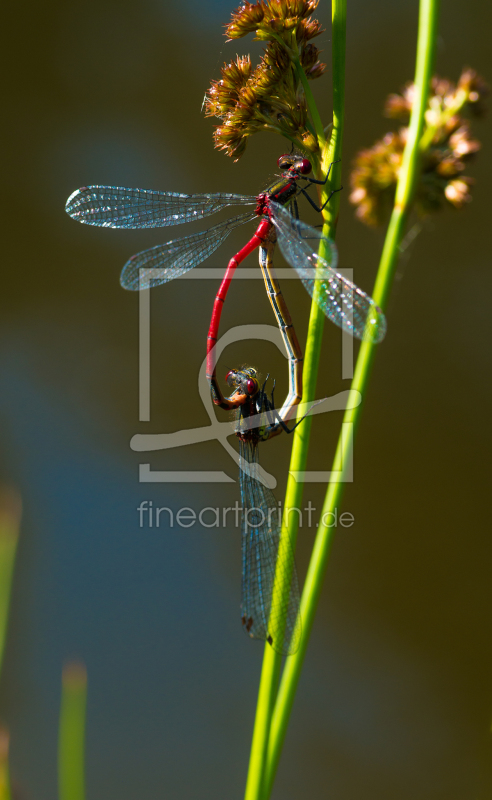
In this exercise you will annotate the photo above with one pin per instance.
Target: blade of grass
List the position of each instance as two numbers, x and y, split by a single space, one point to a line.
259 744
428 17
256 789
5 793
71 783
10 516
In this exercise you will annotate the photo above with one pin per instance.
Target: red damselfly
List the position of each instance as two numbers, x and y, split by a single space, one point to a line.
305 248
270 589
291 343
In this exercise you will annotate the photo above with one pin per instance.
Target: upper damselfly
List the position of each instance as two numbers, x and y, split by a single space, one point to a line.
313 255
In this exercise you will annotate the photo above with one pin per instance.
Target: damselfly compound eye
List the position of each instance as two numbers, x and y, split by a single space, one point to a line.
285 161
250 386
305 167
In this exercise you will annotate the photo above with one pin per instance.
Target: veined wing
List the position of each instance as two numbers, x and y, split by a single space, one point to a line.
267 613
116 207
313 255
165 262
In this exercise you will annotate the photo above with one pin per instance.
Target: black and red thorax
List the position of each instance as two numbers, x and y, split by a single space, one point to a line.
282 191
250 401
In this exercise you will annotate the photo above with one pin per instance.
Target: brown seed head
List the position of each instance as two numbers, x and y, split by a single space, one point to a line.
457 191
229 140
462 143
310 142
224 94
245 20
309 56
271 96
399 106
374 176
316 71
477 89
448 146
442 88
308 29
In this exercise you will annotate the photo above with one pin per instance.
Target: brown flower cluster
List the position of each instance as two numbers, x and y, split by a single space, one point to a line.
269 97
447 145
269 17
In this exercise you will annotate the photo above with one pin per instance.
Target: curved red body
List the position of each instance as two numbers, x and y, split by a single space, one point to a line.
282 191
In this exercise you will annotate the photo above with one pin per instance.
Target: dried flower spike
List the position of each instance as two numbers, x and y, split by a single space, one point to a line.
446 146
270 97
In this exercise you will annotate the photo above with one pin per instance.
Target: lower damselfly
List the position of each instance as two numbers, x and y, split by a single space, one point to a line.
270 588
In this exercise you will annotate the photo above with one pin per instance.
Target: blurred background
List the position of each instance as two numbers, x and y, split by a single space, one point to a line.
395 700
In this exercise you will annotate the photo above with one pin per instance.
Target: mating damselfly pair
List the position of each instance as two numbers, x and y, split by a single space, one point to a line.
269 611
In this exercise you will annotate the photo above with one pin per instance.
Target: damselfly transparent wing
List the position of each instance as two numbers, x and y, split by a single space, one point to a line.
165 262
312 254
267 612
116 207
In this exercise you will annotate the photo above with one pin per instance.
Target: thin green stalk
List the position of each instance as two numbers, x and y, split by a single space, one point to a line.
10 513
313 109
428 16
256 787
5 793
259 745
71 737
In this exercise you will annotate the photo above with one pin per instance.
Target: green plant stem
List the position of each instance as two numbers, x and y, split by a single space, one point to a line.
313 109
292 50
259 745
71 736
10 512
428 16
5 793
257 788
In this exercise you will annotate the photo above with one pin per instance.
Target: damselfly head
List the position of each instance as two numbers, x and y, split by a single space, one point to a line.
293 163
244 382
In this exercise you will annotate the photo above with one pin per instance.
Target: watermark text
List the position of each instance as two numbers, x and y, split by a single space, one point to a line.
217 517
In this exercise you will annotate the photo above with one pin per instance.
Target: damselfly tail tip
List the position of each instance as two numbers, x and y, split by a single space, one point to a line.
285 646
